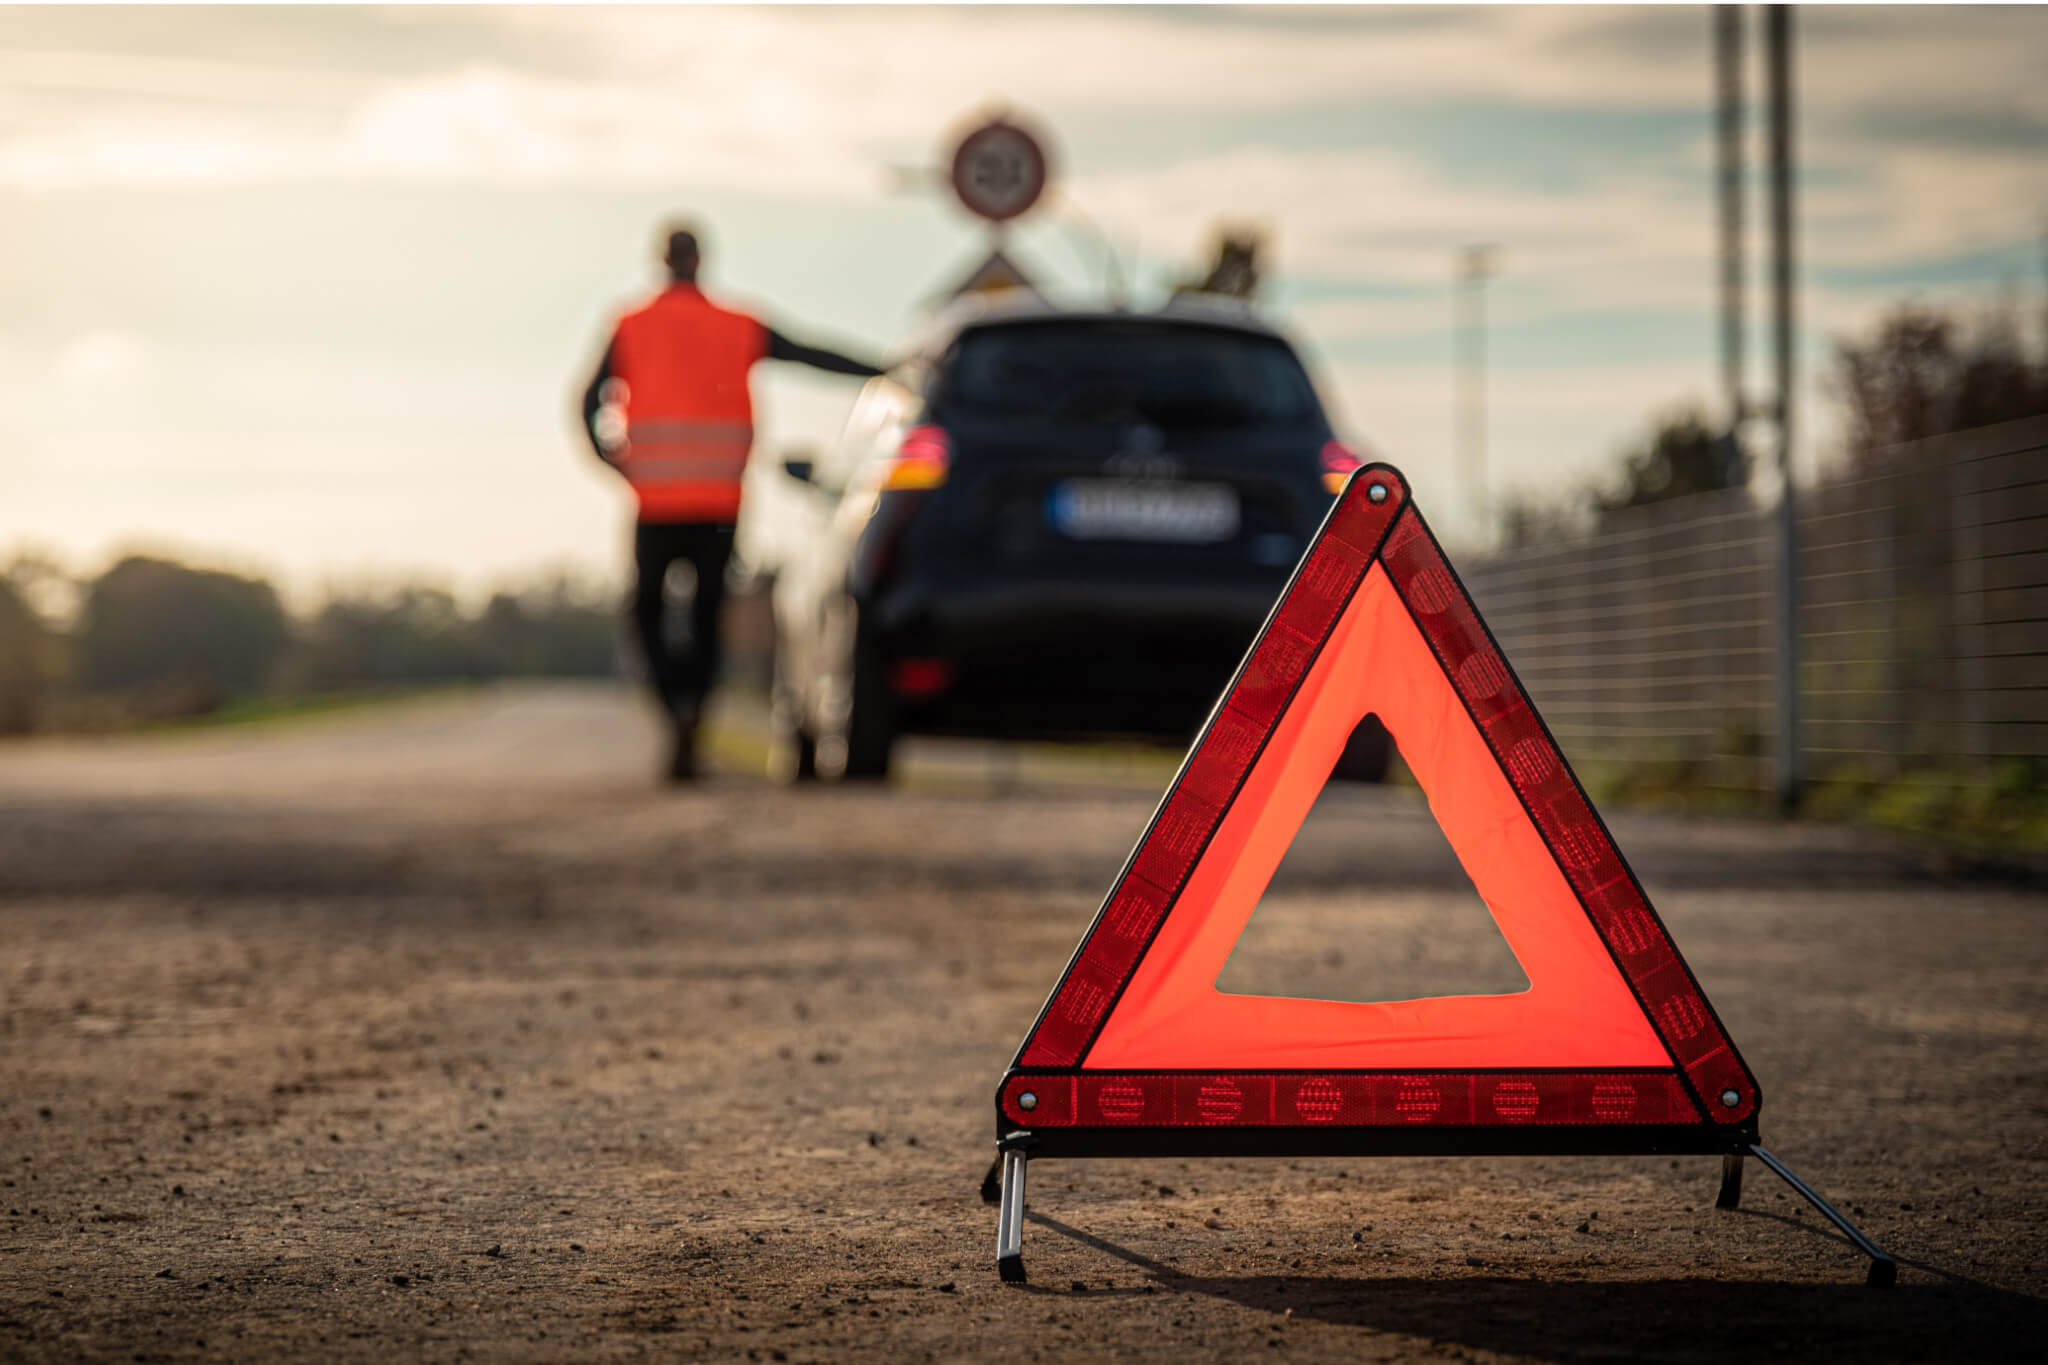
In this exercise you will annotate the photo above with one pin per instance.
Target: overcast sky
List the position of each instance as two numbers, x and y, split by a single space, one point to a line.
310 290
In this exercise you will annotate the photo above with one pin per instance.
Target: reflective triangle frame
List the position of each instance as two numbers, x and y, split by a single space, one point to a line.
1699 1097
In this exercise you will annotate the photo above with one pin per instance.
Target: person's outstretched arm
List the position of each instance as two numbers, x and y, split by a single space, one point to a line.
593 399
781 347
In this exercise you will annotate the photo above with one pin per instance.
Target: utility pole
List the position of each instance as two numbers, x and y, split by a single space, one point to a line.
1475 265
1728 89
1778 48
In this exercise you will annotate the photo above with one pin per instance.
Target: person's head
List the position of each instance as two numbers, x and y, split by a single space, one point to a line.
680 252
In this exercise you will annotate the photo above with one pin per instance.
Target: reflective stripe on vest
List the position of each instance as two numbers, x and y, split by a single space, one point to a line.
687 470
660 453
677 429
653 470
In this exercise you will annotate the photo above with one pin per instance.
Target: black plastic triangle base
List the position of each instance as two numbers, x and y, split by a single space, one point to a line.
1011 1269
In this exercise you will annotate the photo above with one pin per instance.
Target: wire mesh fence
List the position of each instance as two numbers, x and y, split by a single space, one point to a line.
1649 643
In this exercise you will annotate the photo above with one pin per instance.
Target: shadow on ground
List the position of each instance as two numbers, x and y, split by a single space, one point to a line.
1666 1319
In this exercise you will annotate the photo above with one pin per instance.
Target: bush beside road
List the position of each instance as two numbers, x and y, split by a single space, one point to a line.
153 641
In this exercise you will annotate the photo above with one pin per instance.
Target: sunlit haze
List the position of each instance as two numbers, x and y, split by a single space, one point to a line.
313 291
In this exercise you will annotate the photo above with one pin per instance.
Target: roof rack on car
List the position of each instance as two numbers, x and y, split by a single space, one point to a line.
1194 301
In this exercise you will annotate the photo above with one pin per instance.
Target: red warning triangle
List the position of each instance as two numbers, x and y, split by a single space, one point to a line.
1612 1047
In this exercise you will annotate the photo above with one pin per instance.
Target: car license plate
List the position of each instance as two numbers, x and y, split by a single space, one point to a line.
1132 509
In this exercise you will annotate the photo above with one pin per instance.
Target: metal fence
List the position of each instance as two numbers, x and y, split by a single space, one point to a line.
1923 622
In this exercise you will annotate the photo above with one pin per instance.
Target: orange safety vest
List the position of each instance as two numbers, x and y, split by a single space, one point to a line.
689 418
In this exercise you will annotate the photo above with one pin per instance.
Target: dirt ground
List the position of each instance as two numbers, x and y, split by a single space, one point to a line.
439 1032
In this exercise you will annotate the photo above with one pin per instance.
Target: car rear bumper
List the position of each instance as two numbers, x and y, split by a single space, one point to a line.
1070 659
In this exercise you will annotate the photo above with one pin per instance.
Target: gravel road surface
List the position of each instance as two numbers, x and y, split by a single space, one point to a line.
438 1031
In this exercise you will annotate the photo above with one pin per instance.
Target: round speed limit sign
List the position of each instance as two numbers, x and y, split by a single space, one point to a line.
999 170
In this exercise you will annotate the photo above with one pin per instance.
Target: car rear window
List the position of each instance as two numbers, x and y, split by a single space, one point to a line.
1172 376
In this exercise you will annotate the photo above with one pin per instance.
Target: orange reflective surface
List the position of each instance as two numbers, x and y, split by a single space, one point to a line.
1577 1012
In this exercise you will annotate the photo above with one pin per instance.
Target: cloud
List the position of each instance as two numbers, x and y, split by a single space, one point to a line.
1640 239
102 151
484 124
1371 140
1388 216
814 103
186 79
1922 202
475 125
95 363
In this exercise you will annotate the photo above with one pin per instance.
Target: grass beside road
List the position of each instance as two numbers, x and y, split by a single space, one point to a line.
106 716
1992 817
276 710
1992 820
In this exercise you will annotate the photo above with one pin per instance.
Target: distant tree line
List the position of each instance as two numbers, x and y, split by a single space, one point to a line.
1921 372
155 639
1925 373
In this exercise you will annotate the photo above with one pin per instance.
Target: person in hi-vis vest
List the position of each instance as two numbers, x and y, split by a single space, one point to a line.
676 369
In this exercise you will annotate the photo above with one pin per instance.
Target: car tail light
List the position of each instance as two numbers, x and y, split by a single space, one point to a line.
921 461
919 678
1338 462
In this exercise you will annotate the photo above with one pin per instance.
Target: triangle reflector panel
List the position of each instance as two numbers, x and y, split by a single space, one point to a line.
1613 1047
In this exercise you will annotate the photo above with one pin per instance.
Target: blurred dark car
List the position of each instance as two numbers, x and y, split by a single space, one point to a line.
1050 524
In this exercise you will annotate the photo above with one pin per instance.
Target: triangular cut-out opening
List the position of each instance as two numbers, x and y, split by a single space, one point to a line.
1400 922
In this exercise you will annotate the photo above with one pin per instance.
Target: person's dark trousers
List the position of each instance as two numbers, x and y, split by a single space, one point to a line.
680 677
